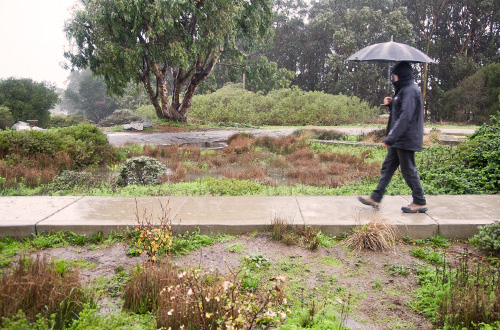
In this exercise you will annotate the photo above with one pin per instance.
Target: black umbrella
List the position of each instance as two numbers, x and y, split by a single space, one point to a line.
390 52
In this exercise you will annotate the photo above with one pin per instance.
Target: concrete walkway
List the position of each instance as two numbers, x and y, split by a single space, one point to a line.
449 216
151 138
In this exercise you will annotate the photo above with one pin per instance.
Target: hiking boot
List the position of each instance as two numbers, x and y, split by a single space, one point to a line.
414 208
369 201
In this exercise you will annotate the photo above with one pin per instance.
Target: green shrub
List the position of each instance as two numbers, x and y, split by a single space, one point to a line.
86 144
146 112
140 170
6 119
279 107
488 237
471 168
119 117
28 142
69 180
65 121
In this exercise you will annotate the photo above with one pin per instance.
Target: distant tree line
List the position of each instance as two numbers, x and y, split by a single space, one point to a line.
463 36
173 49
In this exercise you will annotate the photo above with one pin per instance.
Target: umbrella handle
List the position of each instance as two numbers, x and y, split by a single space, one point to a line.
388 95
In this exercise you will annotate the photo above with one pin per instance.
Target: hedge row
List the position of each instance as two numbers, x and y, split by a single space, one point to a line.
280 107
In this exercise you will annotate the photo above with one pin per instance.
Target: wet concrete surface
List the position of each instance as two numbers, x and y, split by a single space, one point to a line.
153 138
448 216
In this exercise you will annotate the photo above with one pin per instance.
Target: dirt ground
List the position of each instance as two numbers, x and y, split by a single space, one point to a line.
379 300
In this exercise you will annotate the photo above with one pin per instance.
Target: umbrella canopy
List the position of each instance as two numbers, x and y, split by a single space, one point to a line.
390 52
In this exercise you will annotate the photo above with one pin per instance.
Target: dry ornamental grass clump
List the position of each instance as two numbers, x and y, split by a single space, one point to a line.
377 235
38 286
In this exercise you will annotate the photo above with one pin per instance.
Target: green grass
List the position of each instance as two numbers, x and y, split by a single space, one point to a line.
227 187
236 247
9 248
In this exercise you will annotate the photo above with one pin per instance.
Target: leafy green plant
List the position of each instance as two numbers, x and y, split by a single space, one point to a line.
318 317
398 270
58 239
488 237
256 261
429 254
10 247
435 240
189 241
470 168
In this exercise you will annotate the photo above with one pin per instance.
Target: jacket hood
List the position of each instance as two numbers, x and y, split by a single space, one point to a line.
404 71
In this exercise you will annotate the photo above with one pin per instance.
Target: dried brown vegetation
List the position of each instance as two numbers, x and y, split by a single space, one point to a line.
267 160
289 234
36 286
33 170
377 235
376 136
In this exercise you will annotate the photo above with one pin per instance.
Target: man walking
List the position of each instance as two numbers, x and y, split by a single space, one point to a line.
405 132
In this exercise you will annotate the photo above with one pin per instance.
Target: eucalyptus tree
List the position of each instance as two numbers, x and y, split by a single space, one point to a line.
360 28
462 35
147 41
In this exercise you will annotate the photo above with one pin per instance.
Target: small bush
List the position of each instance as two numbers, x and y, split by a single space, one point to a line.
68 180
146 112
38 287
119 117
488 237
58 121
321 134
141 171
376 136
191 300
28 142
153 237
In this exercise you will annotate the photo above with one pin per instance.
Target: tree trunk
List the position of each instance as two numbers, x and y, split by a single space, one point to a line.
175 110
200 74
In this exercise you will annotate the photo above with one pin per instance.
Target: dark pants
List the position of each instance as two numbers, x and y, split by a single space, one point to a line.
406 159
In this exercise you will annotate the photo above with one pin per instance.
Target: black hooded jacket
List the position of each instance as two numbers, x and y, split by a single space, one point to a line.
405 129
